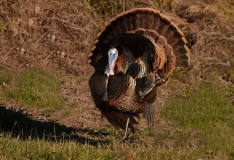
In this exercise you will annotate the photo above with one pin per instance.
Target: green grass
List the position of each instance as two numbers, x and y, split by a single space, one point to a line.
14 148
232 67
4 76
2 29
206 106
35 87
203 128
178 72
80 80
208 115
229 74
41 149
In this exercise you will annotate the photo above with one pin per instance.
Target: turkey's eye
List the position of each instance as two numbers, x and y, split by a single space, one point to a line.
113 53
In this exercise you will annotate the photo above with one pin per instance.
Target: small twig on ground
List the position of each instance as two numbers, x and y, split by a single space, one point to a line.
8 52
34 45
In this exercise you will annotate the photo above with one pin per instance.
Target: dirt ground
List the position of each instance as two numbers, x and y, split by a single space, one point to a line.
58 37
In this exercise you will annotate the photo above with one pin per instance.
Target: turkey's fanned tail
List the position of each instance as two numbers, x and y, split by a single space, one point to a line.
153 25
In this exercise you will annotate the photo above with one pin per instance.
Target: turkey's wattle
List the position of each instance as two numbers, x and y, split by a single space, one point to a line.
112 57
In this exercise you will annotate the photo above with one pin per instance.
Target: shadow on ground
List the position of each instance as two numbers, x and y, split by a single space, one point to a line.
22 126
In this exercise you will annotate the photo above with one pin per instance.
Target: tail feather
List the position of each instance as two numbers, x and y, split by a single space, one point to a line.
170 32
151 24
148 20
153 34
119 120
176 37
149 114
163 26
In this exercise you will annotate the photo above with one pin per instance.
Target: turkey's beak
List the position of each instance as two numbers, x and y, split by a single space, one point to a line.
112 57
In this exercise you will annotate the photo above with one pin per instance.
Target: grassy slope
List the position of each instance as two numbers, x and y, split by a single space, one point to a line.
202 116
32 87
204 129
205 114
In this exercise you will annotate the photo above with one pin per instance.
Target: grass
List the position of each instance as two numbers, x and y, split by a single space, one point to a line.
204 107
80 80
2 29
4 76
177 73
14 148
202 120
35 87
226 8
166 4
104 8
208 115
203 128
232 67
40 149
111 8
229 75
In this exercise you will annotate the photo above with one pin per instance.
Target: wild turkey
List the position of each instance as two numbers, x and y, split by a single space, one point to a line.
132 56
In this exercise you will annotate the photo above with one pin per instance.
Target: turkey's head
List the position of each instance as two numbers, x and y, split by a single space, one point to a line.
112 57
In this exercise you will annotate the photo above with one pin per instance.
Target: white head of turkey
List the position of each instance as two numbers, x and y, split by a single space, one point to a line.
112 57
132 57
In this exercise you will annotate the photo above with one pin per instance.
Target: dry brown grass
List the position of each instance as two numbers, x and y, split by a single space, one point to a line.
59 35
209 34
47 34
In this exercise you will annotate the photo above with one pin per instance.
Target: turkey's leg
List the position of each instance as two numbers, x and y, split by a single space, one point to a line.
126 129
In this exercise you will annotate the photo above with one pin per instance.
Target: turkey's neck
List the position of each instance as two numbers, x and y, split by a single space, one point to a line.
120 66
124 60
